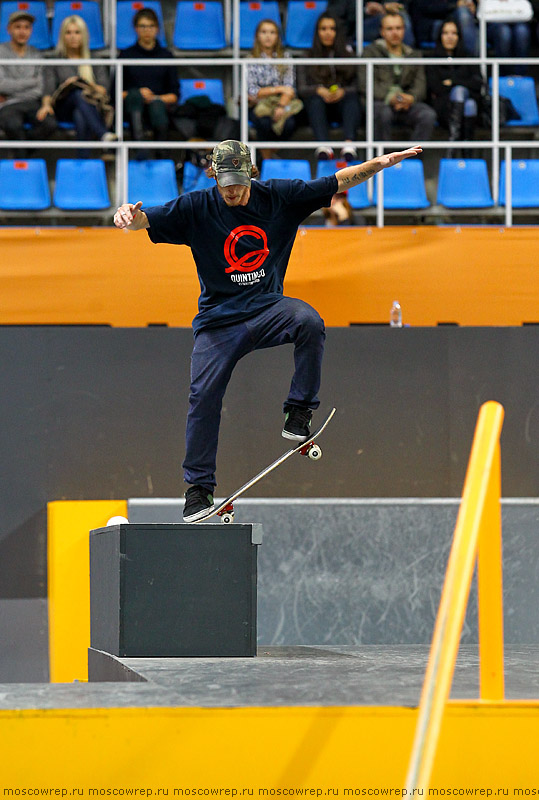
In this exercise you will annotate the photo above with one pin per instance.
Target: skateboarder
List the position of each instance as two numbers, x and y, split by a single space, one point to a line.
241 234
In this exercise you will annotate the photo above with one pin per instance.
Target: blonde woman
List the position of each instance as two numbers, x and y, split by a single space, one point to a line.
74 93
271 87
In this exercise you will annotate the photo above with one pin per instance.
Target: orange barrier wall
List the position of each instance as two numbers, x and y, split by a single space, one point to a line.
473 276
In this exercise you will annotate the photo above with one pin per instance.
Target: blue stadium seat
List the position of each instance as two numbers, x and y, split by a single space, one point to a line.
327 167
286 168
301 19
251 13
89 10
464 183
24 185
80 185
195 178
404 186
524 183
520 90
358 196
125 11
212 87
41 35
199 25
153 182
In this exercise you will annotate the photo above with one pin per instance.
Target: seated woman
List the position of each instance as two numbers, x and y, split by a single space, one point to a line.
78 94
330 92
150 92
455 89
273 104
428 18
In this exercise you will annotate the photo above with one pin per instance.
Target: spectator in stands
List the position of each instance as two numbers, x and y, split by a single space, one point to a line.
399 89
78 94
345 12
150 92
331 92
273 105
21 87
428 15
454 89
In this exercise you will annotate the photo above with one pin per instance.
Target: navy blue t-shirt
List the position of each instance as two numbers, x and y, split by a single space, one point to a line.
241 253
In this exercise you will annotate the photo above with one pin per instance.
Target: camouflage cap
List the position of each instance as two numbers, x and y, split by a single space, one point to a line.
231 161
17 15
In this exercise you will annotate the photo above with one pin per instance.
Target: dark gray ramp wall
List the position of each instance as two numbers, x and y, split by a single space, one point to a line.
359 571
98 412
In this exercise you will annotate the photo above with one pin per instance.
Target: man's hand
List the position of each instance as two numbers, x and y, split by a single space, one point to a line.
390 159
349 177
401 101
130 217
372 8
147 95
43 111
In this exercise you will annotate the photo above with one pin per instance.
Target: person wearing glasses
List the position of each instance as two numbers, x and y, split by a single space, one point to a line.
150 92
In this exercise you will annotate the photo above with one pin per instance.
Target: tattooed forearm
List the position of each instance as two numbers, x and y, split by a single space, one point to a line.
352 176
361 174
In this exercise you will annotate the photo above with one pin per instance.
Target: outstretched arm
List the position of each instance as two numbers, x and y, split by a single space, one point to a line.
130 217
349 177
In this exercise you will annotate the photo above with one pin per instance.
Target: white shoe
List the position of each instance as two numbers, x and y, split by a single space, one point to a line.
324 153
348 153
109 137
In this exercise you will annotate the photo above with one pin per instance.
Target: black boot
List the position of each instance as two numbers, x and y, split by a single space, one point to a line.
137 132
468 134
161 134
455 123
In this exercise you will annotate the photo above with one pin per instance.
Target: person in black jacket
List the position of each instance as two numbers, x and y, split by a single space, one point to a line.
330 92
455 89
149 92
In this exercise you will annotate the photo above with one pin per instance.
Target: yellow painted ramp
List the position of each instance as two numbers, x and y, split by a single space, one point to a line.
335 751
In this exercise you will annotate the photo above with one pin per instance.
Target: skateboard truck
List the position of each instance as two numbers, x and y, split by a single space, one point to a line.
227 514
311 450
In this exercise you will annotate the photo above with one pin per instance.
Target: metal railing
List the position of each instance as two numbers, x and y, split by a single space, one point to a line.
477 537
369 144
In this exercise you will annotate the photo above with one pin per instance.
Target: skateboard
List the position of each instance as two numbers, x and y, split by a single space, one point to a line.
307 448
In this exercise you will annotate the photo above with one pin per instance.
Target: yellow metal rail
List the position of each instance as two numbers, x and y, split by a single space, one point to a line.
477 536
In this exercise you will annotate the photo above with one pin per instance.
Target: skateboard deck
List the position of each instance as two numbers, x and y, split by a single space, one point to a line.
309 448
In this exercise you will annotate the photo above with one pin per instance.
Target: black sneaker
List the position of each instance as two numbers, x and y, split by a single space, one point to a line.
198 502
297 423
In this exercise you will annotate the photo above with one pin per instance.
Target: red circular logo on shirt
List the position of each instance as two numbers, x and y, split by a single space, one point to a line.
251 260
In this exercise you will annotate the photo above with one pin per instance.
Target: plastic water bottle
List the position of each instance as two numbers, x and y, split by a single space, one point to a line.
395 315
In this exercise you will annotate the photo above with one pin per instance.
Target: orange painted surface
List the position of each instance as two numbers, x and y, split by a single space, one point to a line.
473 276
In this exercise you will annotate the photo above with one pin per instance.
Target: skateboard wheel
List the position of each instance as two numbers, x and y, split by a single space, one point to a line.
228 517
314 452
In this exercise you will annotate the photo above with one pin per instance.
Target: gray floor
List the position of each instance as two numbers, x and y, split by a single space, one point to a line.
302 676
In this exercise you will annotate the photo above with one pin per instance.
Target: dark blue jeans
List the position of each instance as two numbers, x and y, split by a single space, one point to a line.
215 354
346 113
86 118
